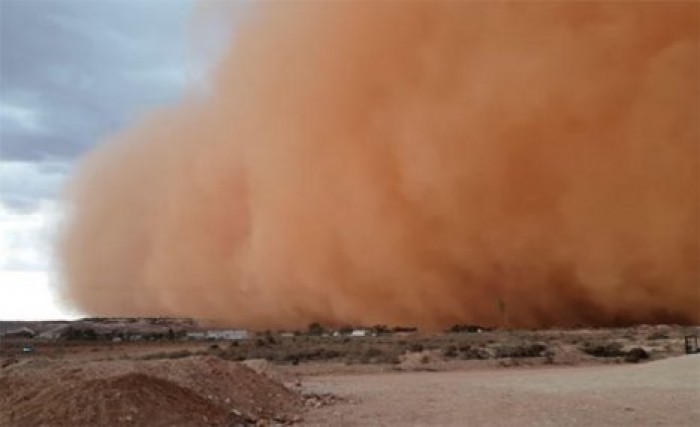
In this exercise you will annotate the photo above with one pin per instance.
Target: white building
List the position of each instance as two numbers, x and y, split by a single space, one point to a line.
196 335
227 334
218 334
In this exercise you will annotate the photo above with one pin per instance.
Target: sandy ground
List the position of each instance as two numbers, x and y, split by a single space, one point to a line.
665 392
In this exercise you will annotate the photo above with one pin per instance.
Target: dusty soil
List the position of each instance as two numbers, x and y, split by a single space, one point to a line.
664 392
189 391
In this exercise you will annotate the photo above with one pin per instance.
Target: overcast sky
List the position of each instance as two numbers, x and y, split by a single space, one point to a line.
71 73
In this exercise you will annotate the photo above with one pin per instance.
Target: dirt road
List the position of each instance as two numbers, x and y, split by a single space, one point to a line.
664 393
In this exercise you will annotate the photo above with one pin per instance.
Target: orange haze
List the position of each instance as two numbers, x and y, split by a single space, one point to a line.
533 163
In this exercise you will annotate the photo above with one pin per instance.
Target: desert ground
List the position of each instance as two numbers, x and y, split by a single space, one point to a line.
664 392
605 376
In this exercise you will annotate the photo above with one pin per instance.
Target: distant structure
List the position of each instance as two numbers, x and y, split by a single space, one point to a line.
227 334
691 344
20 333
54 334
196 335
218 334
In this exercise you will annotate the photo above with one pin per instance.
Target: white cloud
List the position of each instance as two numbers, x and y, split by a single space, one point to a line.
16 116
25 238
28 295
27 284
23 185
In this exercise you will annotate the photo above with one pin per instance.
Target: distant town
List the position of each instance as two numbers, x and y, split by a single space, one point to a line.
175 329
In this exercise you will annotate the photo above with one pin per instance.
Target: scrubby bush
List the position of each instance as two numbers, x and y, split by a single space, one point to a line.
636 355
315 328
525 350
372 355
610 349
86 334
168 355
314 354
658 335
90 334
416 347
468 352
329 354
465 328
346 329
179 354
373 352
380 329
449 351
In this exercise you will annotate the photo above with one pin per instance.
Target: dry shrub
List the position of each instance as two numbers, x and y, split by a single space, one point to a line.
468 352
449 351
608 349
168 355
308 355
416 347
636 355
658 335
373 352
523 350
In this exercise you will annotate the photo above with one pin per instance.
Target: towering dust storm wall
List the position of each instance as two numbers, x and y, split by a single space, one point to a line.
420 163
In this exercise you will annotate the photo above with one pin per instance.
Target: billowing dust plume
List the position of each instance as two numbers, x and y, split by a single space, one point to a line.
527 164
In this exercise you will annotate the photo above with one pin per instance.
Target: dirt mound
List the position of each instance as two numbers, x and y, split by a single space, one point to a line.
263 367
192 391
132 398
